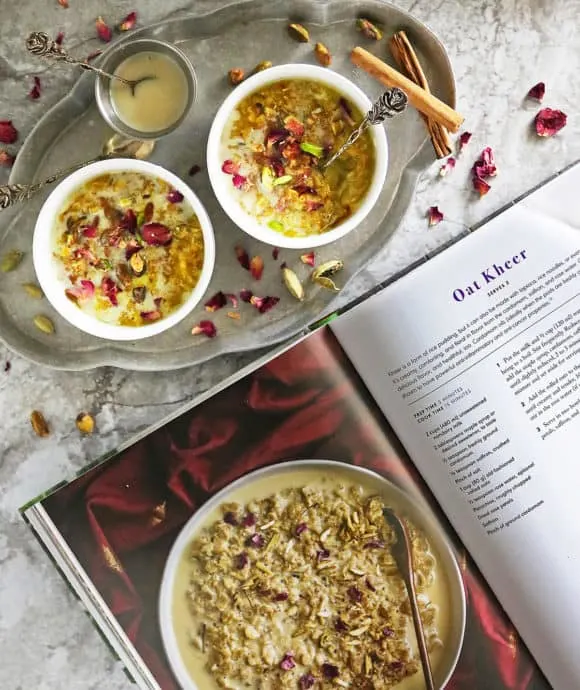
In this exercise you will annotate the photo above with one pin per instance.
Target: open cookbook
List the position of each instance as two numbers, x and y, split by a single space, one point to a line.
241 543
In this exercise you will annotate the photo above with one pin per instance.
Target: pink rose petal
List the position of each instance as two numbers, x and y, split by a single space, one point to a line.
434 215
548 122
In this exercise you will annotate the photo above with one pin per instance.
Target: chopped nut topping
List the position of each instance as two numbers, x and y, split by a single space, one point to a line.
284 609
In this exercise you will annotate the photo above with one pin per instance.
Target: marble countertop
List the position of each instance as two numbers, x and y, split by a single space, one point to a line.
498 48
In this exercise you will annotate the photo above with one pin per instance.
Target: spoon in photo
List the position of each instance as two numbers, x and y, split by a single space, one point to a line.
115 147
403 556
40 44
392 102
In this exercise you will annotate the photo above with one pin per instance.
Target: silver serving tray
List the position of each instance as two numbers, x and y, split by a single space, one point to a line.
240 35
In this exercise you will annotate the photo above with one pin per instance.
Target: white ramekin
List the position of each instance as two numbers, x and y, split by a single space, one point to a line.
222 183
48 267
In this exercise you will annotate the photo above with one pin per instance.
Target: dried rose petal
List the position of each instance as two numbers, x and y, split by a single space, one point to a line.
59 38
306 681
287 663
92 56
128 23
275 136
156 234
239 181
370 585
447 167
257 267
256 540
175 196
275 253
388 632
229 167
90 231
233 299
230 518
205 327
294 126
375 544
281 596
194 170
129 221
330 671
84 253
277 167
340 625
6 159
110 290
264 304
548 122
537 92
464 138
302 527
308 259
242 257
246 296
322 554
63 3
480 186
85 290
485 166
151 315
241 561
354 594
8 133
7 366
104 32
283 265
216 302
435 216
304 189
249 520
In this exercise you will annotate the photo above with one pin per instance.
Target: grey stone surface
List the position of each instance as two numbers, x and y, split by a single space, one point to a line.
499 48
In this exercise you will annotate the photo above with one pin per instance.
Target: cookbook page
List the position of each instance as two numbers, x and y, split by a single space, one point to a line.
116 524
475 359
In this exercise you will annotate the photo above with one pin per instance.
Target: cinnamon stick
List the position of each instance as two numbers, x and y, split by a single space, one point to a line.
424 101
406 58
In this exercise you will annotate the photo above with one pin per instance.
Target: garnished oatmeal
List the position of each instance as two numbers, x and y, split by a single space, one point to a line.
130 248
273 148
299 590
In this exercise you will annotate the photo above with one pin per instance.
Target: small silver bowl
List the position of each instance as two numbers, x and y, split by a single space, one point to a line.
111 61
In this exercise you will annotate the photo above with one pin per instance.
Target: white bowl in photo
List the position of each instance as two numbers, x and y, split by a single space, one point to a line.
177 625
49 269
222 183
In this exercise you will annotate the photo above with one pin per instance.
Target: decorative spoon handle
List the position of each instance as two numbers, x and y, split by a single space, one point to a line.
390 103
40 44
11 194
403 555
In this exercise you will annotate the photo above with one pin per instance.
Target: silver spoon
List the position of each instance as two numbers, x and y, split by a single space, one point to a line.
115 147
40 44
403 555
391 103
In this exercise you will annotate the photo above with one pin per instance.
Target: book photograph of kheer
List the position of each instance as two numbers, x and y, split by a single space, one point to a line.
287 576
